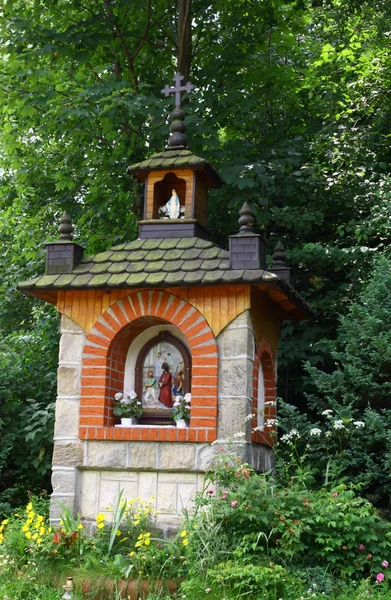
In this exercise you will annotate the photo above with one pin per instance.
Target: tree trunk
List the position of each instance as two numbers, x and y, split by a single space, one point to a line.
184 38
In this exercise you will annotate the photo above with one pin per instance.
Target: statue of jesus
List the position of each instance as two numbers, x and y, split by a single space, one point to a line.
173 206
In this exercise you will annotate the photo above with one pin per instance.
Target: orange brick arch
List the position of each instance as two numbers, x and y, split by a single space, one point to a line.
265 357
104 362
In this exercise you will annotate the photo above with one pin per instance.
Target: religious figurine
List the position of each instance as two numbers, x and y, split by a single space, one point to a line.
149 390
158 364
177 389
168 359
172 209
173 206
165 396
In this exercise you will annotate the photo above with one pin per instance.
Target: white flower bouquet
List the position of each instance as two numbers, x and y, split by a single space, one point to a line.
127 406
181 407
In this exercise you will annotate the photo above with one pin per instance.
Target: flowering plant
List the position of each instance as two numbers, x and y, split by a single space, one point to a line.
181 407
128 405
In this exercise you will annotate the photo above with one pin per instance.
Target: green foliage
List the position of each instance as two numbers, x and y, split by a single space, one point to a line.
349 429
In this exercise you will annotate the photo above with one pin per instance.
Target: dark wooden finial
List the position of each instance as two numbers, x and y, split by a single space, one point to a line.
177 138
66 228
246 219
279 256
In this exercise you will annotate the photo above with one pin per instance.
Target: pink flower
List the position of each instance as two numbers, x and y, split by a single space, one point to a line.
385 563
361 547
208 590
234 503
335 494
380 577
210 492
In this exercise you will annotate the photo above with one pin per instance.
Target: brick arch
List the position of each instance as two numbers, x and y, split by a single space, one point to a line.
104 360
264 358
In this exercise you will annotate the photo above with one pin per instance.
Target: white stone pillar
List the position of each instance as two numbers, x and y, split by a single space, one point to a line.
236 358
68 450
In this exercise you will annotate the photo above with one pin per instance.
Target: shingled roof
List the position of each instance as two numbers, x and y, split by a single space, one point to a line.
163 262
178 159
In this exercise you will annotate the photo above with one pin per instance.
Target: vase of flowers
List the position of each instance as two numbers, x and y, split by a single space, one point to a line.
128 408
181 410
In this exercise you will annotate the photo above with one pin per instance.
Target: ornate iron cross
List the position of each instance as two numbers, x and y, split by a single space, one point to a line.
177 89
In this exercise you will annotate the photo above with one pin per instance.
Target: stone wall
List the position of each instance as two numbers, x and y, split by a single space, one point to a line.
68 450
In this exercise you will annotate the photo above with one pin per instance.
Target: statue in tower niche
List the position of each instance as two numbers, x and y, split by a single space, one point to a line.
172 209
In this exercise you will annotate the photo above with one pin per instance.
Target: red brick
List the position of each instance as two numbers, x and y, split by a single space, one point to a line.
201 435
99 433
205 361
145 434
195 329
94 362
89 421
182 435
82 433
202 339
100 341
104 330
204 412
93 381
200 422
189 321
94 351
119 314
170 311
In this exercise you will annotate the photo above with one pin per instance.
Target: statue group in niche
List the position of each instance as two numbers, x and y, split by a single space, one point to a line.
164 376
172 209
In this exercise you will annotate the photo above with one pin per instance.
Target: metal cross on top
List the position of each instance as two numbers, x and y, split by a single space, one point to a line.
177 89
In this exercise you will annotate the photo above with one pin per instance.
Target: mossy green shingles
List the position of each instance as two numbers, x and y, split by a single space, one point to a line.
46 281
191 254
119 256
101 257
155 278
136 279
83 268
191 265
117 267
173 265
81 281
212 252
168 243
154 255
154 267
117 280
99 280
151 244
99 268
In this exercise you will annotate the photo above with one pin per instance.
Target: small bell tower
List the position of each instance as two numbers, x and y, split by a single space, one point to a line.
176 181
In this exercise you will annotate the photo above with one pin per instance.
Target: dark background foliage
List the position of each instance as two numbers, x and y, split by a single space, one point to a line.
291 105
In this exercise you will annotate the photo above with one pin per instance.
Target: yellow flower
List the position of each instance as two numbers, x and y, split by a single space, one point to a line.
147 542
31 514
101 525
183 533
39 540
50 530
136 522
28 522
100 518
4 522
29 507
80 526
28 535
25 528
41 530
185 542
35 536
118 533
132 553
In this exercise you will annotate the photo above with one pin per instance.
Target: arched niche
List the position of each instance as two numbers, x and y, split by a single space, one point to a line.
141 358
163 190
